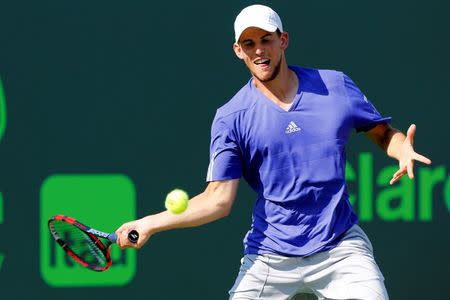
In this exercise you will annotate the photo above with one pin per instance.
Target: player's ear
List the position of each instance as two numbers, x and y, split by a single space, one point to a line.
238 51
284 37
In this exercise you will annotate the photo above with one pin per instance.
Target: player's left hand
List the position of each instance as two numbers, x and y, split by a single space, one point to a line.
408 156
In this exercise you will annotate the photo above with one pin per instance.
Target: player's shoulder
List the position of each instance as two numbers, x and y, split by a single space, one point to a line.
243 100
328 76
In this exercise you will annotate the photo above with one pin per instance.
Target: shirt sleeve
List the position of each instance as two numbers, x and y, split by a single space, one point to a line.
365 115
225 157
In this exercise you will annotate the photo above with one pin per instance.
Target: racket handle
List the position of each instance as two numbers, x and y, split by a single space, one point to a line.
133 236
112 237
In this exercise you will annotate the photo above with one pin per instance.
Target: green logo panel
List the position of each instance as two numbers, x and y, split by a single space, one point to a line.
102 202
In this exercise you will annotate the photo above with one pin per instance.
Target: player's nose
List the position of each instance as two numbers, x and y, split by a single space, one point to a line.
259 50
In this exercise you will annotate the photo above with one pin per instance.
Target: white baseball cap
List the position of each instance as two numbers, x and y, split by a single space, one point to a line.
257 15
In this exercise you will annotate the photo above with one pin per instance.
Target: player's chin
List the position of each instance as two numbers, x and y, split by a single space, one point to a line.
264 70
264 76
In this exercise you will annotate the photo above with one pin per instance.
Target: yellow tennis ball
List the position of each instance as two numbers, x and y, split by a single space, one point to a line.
177 201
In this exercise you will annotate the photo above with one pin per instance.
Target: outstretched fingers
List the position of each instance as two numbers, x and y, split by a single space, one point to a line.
422 158
408 156
410 133
397 175
410 169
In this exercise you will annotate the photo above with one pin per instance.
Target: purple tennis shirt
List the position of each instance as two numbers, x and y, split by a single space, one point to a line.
294 160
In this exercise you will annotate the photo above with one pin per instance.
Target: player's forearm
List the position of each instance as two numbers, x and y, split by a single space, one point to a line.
212 204
201 210
389 139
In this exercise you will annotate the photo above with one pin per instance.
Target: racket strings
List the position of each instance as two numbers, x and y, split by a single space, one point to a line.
87 247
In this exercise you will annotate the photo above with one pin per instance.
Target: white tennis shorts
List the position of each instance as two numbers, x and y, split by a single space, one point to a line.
348 271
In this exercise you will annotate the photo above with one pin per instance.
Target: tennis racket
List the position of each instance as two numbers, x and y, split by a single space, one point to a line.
87 246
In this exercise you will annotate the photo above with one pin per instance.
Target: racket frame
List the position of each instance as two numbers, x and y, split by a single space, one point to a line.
92 233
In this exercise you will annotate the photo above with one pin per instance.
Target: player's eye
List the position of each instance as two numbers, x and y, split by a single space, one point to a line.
248 44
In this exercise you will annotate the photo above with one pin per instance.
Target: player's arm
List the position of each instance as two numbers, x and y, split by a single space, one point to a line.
398 146
214 203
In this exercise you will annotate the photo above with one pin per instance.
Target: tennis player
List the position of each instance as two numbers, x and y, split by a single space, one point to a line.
285 133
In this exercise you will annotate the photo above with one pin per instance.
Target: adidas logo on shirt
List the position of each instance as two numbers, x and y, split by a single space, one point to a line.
292 127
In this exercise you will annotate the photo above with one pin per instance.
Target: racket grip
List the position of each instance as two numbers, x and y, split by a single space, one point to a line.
133 236
112 237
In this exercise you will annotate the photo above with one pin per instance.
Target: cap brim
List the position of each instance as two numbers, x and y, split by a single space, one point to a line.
266 27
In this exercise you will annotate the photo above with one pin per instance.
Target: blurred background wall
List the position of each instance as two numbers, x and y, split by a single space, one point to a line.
107 105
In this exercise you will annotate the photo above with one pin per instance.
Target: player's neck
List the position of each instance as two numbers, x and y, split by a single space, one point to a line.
282 89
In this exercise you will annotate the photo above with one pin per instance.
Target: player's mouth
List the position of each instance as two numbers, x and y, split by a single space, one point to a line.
262 63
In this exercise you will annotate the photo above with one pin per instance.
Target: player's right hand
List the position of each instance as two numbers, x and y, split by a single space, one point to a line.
122 234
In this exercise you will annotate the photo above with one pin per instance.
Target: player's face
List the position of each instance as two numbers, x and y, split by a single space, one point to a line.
262 52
